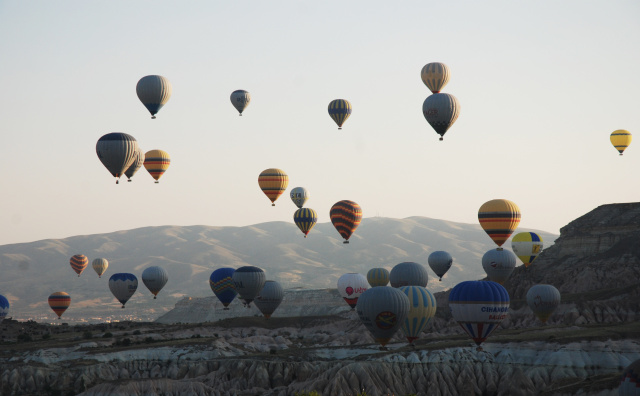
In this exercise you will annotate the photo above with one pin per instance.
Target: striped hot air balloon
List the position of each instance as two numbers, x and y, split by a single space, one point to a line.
422 307
117 151
221 282
527 246
154 92
630 381
408 274
123 286
240 100
59 302
621 139
305 219
378 277
499 218
440 262
154 278
100 265
269 298
248 282
435 76
441 110
273 182
4 307
383 310
340 110
156 162
345 217
135 165
78 263
543 301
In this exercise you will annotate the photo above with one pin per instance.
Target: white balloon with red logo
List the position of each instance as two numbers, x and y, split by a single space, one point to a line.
351 286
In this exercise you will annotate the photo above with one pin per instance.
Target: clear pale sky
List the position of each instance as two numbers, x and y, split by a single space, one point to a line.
541 85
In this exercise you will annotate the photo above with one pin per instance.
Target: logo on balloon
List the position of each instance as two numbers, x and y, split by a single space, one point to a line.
386 320
349 290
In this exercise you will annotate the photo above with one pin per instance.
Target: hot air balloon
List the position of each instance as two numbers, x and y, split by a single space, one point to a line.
543 301
383 310
248 282
100 266
630 381
440 262
527 246
479 307
117 151
59 302
269 298
154 92
305 219
154 278
378 277
273 182
221 282
408 274
345 217
499 218
441 110
422 307
340 110
78 263
135 165
240 100
351 286
435 76
4 307
156 162
299 196
499 264
123 286
620 139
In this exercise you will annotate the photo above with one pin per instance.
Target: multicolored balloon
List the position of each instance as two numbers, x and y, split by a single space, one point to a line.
156 162
123 286
269 298
59 302
630 381
248 282
441 110
440 262
299 196
499 218
479 307
240 100
378 277
221 282
78 263
100 265
621 139
422 307
339 111
408 274
305 219
351 286
383 311
154 278
345 217
135 165
273 182
543 301
435 76
154 92
117 151
4 307
527 246
499 264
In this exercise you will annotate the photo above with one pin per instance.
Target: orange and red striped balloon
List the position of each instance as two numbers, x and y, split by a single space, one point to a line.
346 216
59 302
273 182
79 262
499 218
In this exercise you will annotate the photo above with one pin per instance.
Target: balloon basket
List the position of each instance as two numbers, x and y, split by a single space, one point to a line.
441 138
157 182
225 309
129 180
345 242
273 204
153 117
154 297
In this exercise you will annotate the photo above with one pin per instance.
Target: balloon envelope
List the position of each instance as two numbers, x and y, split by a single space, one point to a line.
154 92
479 307
78 263
499 264
117 151
440 262
305 219
100 265
273 182
499 218
409 274
527 246
620 139
4 307
543 301
135 165
221 282
378 277
345 217
156 162
441 110
383 310
299 196
339 111
154 278
59 302
630 380
248 282
422 307
435 76
269 298
240 100
123 286
351 286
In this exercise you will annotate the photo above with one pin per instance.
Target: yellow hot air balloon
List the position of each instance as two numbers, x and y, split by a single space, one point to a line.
527 246
620 139
499 218
435 76
273 182
156 162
